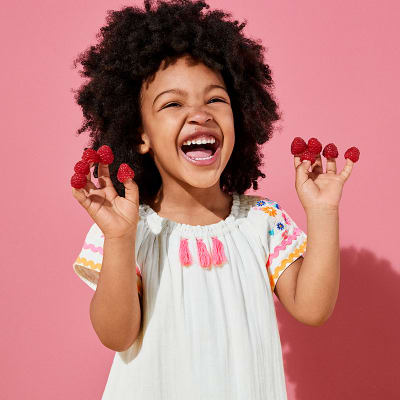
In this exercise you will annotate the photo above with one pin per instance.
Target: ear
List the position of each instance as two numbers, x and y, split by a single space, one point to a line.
144 147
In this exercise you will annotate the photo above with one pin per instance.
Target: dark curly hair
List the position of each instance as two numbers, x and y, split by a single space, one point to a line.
130 50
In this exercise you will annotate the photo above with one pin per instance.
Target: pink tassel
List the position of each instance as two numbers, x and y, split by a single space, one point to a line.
218 253
204 256
184 253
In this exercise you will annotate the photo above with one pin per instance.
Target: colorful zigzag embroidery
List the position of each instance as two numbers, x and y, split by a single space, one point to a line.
292 256
285 243
97 267
94 248
88 263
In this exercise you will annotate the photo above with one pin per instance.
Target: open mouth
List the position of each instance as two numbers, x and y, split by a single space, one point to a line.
200 152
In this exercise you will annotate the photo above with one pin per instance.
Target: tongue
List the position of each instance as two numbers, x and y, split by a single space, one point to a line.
199 153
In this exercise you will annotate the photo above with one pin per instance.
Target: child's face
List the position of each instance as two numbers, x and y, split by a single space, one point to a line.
172 117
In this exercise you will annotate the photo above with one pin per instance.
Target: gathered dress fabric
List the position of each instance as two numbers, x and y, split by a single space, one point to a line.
208 332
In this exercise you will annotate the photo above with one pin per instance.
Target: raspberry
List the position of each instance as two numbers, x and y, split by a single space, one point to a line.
353 153
78 181
82 167
298 146
125 172
90 156
308 155
106 155
314 145
330 151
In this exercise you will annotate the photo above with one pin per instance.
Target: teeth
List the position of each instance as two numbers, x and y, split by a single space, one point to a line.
199 141
205 158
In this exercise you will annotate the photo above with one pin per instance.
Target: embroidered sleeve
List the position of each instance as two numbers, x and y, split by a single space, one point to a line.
88 263
285 241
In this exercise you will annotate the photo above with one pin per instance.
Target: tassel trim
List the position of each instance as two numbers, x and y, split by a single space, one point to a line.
217 256
184 253
218 253
204 255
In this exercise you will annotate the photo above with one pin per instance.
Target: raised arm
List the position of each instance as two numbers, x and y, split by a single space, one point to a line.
115 308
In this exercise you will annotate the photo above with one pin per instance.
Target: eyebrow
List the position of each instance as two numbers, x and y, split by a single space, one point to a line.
183 92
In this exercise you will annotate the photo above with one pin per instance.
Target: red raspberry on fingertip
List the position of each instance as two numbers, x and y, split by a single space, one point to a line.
308 155
314 145
330 151
298 146
125 172
106 155
78 181
353 153
82 167
90 156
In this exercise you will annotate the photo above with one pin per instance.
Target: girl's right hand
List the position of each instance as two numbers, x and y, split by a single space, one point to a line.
116 216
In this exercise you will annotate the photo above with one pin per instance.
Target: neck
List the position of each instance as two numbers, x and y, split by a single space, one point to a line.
188 199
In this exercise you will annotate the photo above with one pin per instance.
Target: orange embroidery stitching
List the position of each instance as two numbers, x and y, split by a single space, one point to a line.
269 210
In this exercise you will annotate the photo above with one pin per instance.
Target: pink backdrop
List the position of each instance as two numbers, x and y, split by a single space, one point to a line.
336 70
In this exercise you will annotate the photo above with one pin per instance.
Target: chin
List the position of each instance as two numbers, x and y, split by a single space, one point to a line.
202 182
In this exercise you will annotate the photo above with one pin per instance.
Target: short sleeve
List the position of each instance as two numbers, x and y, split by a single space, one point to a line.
284 241
88 263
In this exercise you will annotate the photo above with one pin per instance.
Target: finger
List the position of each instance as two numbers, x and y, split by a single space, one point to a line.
317 167
89 184
297 161
302 172
103 170
346 171
331 165
103 173
131 191
80 195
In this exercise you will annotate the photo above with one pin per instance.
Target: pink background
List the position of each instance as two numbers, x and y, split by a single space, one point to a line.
336 70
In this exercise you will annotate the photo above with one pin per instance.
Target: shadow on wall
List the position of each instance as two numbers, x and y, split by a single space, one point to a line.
356 353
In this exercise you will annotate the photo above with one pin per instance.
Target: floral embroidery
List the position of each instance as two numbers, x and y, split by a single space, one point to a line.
261 203
280 226
285 234
271 232
277 206
286 219
269 210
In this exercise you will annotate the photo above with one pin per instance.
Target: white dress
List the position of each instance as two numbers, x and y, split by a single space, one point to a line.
207 332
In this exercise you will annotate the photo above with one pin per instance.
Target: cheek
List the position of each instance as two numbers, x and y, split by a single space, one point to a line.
163 134
227 118
165 150
228 129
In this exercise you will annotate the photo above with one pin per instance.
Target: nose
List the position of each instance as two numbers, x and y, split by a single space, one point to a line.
200 117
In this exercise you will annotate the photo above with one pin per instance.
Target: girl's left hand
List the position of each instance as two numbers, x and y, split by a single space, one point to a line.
318 190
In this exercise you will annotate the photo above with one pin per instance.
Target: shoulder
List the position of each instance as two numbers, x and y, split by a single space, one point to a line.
261 206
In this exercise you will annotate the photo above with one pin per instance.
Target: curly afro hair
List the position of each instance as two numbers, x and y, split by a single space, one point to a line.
132 46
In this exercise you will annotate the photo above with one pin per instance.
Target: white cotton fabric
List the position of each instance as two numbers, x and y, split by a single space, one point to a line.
206 333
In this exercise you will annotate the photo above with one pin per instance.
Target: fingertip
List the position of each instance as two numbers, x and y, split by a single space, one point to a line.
129 181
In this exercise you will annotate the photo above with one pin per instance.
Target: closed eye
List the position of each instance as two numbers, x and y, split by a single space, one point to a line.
215 98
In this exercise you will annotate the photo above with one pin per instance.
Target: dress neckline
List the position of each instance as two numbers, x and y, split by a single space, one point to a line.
157 223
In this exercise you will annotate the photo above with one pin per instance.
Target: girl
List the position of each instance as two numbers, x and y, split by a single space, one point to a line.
183 263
